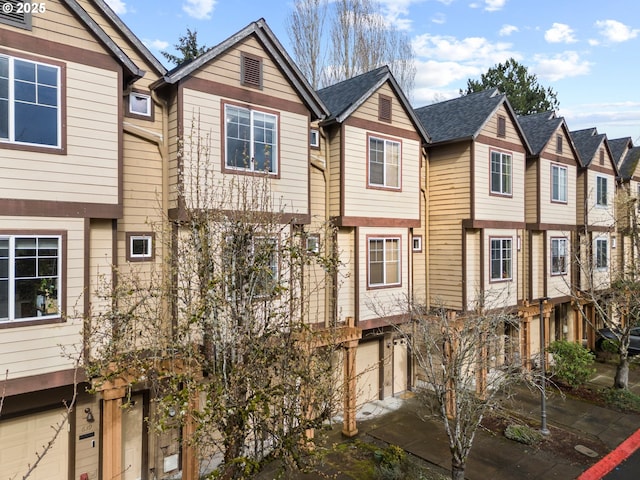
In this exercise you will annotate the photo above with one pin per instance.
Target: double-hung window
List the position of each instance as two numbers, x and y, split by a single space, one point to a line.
501 173
384 262
29 102
559 184
251 140
602 253
384 163
559 250
601 191
30 269
501 255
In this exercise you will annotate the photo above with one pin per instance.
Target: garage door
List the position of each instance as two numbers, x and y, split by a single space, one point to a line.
21 438
132 430
368 371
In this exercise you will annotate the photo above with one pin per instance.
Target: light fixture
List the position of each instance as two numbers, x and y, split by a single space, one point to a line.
90 418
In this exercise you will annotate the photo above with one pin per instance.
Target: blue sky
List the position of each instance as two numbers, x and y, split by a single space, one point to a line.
587 50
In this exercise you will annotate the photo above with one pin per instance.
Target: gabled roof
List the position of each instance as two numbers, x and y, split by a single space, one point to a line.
588 141
540 128
344 98
463 118
275 49
106 40
619 146
629 163
130 36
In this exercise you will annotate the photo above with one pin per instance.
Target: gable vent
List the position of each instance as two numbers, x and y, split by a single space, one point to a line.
13 13
251 71
384 108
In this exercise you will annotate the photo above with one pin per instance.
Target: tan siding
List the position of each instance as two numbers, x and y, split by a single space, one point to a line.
369 109
316 279
59 25
333 162
473 261
601 216
389 203
38 349
346 274
531 192
501 294
498 207
558 285
89 170
490 128
553 212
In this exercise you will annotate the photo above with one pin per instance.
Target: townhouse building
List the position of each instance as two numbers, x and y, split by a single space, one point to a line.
550 203
375 164
596 245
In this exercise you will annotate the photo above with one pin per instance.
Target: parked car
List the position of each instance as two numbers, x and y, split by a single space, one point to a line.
607 334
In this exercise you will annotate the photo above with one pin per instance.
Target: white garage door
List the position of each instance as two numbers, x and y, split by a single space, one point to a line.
21 438
368 371
400 366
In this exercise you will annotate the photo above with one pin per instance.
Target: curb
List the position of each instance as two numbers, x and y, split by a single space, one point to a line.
613 458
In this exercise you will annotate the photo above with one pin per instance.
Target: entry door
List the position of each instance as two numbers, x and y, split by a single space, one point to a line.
132 441
400 366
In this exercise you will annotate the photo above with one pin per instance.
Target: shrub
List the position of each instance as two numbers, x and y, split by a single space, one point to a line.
623 400
523 434
573 364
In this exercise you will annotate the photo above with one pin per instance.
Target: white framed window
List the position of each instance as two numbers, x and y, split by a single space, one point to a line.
417 243
314 138
384 163
601 252
313 243
559 252
251 140
501 172
384 261
501 258
30 277
601 191
140 246
140 104
559 182
30 111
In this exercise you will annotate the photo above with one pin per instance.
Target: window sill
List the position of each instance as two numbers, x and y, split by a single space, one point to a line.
31 322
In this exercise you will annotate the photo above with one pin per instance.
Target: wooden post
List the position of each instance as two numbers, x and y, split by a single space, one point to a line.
190 468
112 432
349 427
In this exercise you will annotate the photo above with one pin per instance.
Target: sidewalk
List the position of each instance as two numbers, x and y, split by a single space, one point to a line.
495 457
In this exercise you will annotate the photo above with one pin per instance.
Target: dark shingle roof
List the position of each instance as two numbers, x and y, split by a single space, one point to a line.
619 147
587 142
339 97
630 162
461 117
538 128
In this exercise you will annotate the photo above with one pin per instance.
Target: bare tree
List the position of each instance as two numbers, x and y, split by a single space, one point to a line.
225 341
608 293
460 359
359 40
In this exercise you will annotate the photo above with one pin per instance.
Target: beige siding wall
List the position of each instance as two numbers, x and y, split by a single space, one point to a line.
448 190
369 109
333 162
89 170
500 294
389 203
289 192
531 192
387 301
554 212
346 274
602 277
316 280
38 349
473 262
559 285
601 216
498 207
538 254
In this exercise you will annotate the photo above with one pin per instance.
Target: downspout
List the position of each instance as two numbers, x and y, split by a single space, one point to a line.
426 246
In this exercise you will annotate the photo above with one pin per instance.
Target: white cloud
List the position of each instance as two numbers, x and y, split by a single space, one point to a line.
199 9
562 65
494 5
507 30
615 31
118 6
560 33
476 51
616 119
433 80
156 44
439 18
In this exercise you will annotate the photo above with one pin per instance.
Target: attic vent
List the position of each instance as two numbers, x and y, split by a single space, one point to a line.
251 71
502 126
558 143
601 157
16 13
384 108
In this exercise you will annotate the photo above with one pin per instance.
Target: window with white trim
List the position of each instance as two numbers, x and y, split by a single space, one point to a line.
417 243
314 138
30 269
559 251
251 140
501 256
384 262
141 246
313 243
501 173
140 104
601 252
384 163
601 191
559 181
29 102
